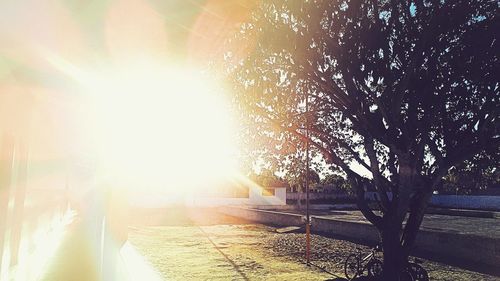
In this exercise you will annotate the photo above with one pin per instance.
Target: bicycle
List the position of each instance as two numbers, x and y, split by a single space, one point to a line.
417 271
355 266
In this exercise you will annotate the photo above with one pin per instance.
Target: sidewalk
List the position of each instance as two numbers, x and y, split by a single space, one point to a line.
73 260
76 259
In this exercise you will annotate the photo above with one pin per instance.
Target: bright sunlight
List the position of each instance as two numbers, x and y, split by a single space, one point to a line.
160 127
234 139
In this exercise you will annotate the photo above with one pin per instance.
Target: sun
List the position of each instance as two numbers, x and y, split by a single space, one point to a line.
160 128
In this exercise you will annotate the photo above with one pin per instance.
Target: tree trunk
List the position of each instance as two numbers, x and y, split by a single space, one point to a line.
417 213
394 256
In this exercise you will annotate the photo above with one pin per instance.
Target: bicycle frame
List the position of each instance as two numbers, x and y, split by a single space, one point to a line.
368 257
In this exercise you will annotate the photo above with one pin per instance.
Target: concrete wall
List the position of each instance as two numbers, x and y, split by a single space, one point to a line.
255 198
441 245
219 201
459 247
264 216
356 230
451 246
312 207
316 196
467 202
479 202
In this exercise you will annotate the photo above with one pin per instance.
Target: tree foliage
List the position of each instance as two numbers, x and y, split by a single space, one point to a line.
404 89
337 181
297 175
267 178
474 176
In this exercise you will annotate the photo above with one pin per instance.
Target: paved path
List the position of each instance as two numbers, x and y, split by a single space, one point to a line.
76 259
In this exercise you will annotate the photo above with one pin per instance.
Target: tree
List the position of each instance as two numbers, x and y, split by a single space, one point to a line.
402 90
296 178
473 176
265 178
337 181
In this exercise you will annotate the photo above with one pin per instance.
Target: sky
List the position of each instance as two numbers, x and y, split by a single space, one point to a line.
98 83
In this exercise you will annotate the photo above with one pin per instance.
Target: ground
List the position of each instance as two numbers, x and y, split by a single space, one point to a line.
221 252
202 246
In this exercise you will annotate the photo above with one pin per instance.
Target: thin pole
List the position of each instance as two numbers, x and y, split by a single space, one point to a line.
308 218
20 195
6 171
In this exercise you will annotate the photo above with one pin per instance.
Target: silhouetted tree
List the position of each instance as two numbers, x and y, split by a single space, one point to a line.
474 176
296 178
339 182
398 93
266 178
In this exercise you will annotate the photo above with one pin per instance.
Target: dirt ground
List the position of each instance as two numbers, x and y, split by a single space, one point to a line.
194 245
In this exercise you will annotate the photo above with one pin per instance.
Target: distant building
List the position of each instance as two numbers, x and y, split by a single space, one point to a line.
247 194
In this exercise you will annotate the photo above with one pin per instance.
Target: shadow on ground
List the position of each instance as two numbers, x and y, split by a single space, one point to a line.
362 278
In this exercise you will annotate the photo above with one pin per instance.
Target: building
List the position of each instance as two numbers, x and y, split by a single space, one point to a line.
244 194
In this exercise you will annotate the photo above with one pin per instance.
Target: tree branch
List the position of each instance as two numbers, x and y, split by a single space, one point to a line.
374 168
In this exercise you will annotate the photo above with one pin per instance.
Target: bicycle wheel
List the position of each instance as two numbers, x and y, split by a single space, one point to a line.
418 272
406 275
351 267
374 267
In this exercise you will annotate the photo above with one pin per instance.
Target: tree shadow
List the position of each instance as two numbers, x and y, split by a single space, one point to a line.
361 278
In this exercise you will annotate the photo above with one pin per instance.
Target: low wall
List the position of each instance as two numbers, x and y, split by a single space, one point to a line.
457 247
462 248
316 196
297 207
264 216
476 202
463 213
349 229
467 202
210 201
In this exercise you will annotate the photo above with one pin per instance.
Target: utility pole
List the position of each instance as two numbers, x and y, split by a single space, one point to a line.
308 218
